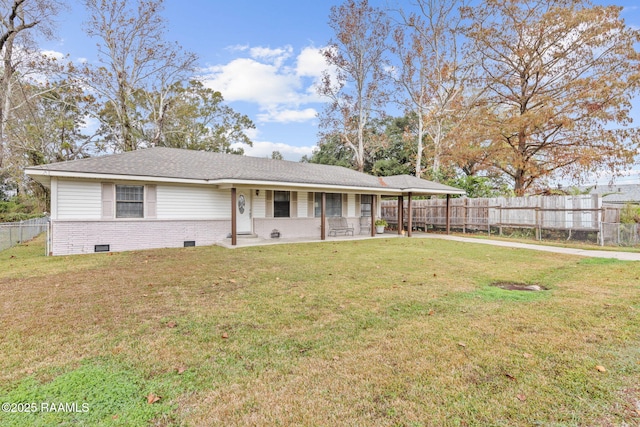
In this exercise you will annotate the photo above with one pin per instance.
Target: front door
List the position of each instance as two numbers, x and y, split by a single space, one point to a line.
243 212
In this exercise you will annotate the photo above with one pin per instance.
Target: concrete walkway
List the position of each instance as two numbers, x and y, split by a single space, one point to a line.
624 256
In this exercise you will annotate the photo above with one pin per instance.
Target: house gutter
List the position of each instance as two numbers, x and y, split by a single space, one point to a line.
44 177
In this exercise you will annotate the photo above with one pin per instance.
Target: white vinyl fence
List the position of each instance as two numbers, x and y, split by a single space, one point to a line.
14 233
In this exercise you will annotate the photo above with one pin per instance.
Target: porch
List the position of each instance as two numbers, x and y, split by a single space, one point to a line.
254 240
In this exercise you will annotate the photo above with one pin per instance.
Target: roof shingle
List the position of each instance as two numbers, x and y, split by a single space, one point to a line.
176 163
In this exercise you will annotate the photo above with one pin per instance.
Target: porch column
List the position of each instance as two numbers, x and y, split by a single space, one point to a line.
448 213
409 216
234 236
400 214
323 216
374 211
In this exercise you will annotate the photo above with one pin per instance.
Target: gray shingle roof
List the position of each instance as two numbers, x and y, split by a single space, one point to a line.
176 163
618 194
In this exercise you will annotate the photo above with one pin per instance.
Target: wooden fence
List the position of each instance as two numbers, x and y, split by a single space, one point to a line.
583 213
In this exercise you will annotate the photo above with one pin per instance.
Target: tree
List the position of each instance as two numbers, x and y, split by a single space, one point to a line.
134 60
395 156
276 155
357 92
331 151
47 125
193 117
432 73
560 76
19 21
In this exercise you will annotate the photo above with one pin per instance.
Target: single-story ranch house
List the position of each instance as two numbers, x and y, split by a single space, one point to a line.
166 197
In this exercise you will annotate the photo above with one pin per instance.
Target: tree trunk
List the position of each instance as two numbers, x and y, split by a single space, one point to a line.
420 146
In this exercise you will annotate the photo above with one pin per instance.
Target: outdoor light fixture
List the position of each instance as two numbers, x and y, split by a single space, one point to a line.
257 192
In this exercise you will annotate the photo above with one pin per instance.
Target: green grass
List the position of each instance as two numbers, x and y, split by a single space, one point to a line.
389 332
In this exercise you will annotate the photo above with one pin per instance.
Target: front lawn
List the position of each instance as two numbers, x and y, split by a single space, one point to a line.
382 332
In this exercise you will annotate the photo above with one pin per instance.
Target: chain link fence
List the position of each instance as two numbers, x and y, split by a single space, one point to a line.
621 234
14 233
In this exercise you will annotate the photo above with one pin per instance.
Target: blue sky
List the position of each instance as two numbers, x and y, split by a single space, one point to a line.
261 55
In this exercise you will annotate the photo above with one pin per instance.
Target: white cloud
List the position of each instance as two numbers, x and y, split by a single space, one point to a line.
288 116
310 62
246 79
276 57
53 54
266 148
280 83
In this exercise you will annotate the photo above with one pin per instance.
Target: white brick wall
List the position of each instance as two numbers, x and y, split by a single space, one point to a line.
80 237
293 228
288 227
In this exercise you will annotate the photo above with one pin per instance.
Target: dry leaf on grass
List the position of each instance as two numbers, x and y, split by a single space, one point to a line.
225 335
152 398
171 324
461 344
521 397
601 368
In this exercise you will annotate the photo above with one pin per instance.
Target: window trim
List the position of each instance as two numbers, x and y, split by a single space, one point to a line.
140 202
334 209
363 204
278 204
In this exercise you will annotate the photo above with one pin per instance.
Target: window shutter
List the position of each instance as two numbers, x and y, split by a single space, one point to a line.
311 211
269 204
358 207
108 200
345 207
294 205
151 201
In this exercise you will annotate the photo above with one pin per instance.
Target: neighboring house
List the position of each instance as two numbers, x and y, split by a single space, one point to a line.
165 197
618 195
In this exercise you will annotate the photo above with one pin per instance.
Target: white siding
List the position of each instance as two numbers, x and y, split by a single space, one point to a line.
79 199
189 202
258 204
303 201
351 206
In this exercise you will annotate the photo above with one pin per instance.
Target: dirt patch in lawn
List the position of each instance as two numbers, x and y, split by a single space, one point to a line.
515 286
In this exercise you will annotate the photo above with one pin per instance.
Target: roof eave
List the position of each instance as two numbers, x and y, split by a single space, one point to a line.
433 192
44 176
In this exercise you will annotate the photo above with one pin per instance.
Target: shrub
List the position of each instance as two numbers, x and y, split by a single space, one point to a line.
630 214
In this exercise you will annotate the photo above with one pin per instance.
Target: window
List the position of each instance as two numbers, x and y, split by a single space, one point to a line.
281 205
366 200
334 204
129 201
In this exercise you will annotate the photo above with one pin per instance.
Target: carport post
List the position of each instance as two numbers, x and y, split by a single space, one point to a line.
400 214
409 216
